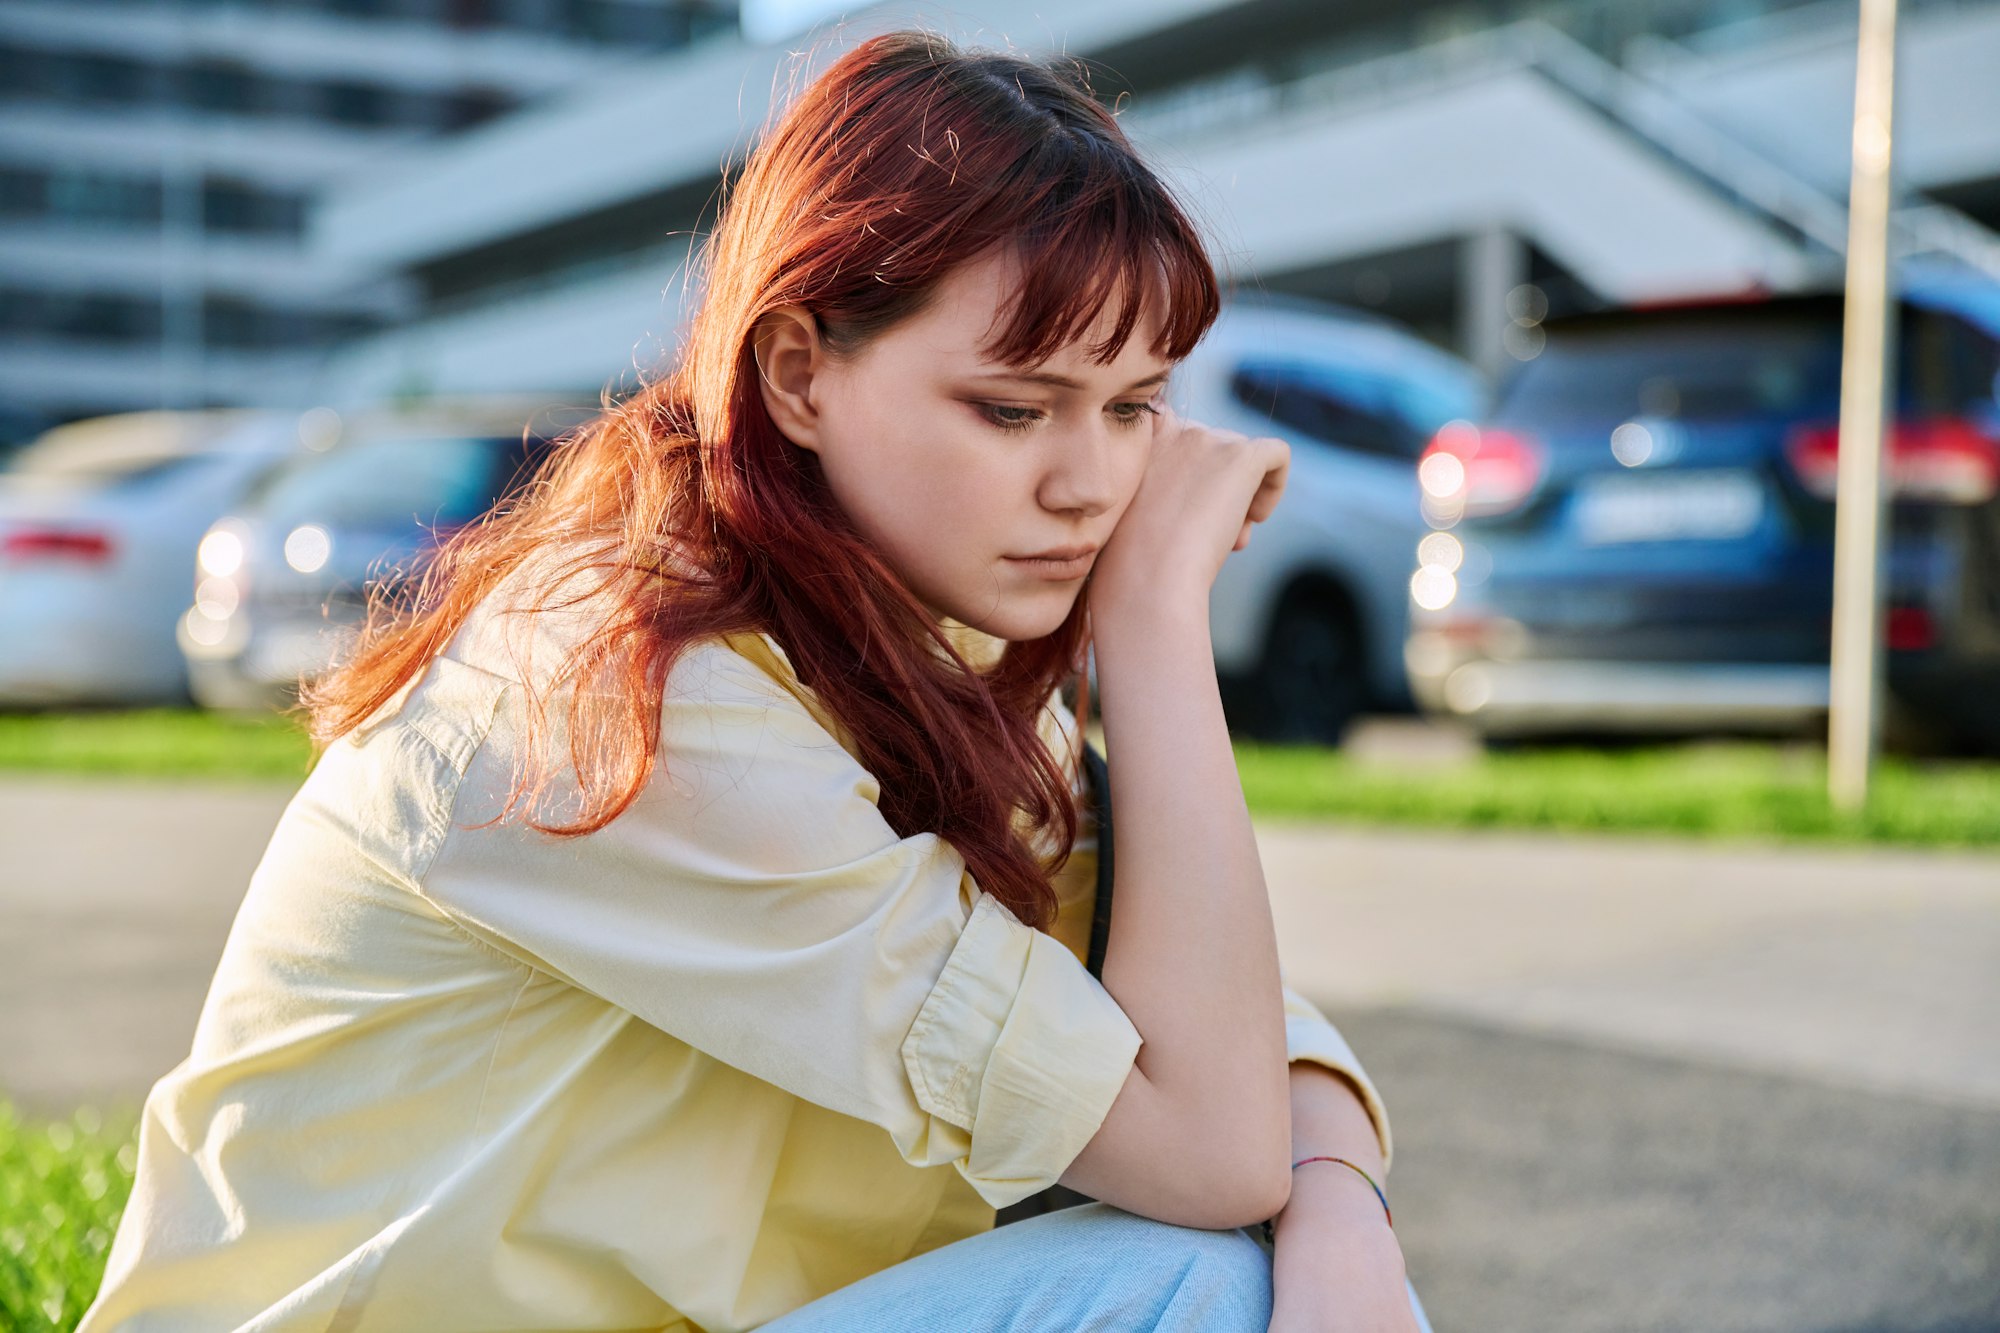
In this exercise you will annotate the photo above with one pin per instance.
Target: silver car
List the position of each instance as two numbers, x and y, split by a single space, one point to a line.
281 582
98 520
1308 621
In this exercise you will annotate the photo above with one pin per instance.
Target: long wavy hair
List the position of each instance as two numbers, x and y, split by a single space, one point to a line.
908 157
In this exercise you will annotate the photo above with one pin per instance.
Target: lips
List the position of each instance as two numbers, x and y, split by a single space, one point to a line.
1059 553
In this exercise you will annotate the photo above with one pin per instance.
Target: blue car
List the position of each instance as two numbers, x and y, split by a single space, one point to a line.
1639 537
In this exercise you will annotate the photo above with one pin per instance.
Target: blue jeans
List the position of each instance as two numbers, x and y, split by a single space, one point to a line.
1093 1268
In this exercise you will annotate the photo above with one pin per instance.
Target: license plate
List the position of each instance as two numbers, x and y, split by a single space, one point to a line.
1669 506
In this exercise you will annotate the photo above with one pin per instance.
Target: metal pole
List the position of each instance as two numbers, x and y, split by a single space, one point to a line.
1867 373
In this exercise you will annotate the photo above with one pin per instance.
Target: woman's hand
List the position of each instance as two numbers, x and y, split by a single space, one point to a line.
1337 1267
1202 490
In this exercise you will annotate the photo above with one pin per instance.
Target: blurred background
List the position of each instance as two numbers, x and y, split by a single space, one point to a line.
1529 673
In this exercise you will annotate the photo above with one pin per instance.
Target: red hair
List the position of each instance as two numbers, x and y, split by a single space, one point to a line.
909 157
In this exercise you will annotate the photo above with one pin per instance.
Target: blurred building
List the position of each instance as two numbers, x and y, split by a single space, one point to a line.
1466 167
158 159
1461 166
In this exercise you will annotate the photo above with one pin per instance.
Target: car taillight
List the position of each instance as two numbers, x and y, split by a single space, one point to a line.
1908 628
56 544
1469 471
1943 459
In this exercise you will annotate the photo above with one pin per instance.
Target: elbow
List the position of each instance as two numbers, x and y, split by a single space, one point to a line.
1248 1174
1208 1165
1266 1193
1241 1193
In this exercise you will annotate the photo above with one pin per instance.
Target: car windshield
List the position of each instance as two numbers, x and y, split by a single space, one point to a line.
386 482
1710 366
1358 407
1740 363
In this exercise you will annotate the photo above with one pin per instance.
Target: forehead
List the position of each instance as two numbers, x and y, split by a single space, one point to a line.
968 312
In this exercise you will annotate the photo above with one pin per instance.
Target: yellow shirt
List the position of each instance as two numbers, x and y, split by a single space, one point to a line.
743 1046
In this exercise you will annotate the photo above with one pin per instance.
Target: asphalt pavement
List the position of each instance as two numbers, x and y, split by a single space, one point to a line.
1636 1084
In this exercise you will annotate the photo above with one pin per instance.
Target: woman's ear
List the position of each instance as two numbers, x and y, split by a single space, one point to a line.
786 345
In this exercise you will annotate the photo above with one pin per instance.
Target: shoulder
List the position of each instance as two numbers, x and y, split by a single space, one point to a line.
745 668
528 625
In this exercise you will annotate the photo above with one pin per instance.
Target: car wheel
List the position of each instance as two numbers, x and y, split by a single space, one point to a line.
1312 680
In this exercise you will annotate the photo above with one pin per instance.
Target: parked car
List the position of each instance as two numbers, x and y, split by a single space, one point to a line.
1308 621
1640 536
98 520
281 582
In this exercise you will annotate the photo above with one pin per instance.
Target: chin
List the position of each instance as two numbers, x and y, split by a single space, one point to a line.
1022 621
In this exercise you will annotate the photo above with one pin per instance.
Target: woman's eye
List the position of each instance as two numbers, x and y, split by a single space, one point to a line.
1131 414
1008 417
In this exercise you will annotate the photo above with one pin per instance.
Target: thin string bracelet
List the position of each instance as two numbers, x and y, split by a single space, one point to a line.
1363 1174
1271 1235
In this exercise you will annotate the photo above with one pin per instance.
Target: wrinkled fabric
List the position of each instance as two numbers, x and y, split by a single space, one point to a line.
1093 1266
738 1049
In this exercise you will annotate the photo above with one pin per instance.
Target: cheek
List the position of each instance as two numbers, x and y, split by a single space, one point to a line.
1131 471
917 486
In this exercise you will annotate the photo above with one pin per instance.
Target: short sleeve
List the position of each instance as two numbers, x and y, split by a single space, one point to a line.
755 903
1310 1035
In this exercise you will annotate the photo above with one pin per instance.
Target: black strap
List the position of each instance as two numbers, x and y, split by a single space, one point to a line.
1098 775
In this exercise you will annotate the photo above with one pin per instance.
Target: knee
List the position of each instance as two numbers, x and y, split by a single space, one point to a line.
1228 1259
1207 1279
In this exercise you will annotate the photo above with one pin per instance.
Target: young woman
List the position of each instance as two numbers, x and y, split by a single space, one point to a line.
684 925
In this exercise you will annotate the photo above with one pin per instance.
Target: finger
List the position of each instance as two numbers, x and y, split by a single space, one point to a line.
1265 502
1271 488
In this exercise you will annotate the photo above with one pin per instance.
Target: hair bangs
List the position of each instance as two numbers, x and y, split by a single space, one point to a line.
1117 241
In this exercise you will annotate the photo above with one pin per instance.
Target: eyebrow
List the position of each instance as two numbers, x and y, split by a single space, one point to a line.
1065 382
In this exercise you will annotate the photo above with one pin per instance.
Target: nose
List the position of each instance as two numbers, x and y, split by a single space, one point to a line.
1082 477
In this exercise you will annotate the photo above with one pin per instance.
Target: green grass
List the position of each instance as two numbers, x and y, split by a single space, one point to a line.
155 743
1705 790
1741 790
63 1184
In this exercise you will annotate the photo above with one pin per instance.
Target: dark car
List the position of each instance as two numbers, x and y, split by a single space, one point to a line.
1640 538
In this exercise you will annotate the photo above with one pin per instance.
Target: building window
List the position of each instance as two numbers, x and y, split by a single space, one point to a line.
238 206
89 316
234 323
24 192
532 15
356 104
222 86
91 79
90 196
626 23
477 106
469 13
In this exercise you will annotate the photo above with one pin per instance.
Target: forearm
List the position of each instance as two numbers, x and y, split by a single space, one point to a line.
1191 954
1335 1251
1329 1119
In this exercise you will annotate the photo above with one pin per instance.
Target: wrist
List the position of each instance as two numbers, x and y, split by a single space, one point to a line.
1150 630
1162 602
1332 1193
1329 1195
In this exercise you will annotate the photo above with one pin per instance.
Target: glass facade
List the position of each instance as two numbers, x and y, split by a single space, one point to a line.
655 24
212 87
162 144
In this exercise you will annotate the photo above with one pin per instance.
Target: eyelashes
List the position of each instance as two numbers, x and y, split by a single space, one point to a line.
1002 415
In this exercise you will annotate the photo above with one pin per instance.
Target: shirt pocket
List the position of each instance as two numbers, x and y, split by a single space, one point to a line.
391 782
